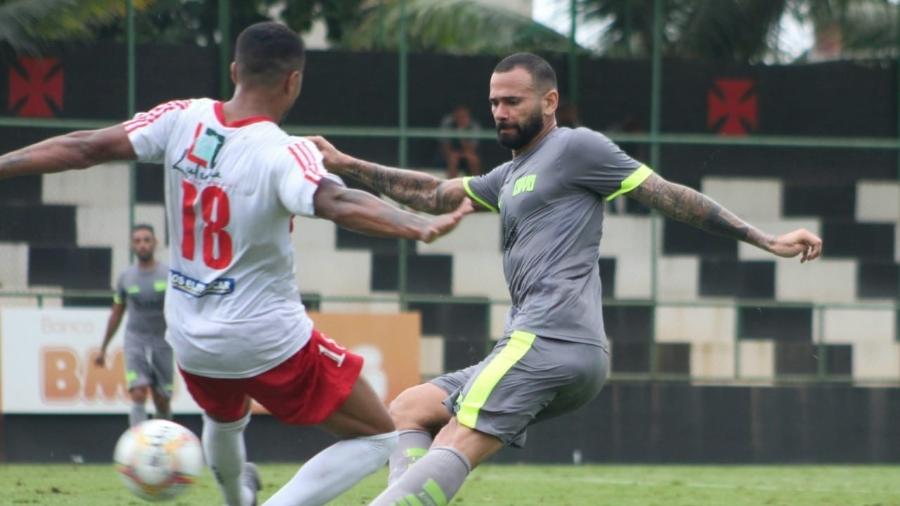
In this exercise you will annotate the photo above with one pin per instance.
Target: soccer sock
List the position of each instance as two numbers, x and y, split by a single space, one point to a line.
334 470
137 414
411 446
223 445
432 481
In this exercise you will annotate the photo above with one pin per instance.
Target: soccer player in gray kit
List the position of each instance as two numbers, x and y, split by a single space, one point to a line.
553 357
141 290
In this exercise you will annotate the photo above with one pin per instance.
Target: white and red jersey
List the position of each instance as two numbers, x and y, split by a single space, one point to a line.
233 308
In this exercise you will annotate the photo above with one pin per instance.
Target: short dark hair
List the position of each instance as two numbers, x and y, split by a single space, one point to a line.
143 226
542 74
266 51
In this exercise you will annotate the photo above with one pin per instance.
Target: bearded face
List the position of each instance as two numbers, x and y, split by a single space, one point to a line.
516 135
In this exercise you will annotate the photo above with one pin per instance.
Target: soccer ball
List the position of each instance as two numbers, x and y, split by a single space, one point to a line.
158 459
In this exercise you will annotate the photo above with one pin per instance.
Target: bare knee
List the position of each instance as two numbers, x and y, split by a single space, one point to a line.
138 394
477 446
420 408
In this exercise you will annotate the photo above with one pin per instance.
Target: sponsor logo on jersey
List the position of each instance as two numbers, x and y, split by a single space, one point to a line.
199 160
197 288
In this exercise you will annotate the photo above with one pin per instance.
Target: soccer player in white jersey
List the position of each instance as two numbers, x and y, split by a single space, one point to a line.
234 180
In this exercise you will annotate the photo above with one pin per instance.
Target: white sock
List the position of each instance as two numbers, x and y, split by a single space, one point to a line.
411 446
137 414
223 445
334 470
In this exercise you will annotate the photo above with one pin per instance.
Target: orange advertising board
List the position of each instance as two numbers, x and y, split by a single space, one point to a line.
46 359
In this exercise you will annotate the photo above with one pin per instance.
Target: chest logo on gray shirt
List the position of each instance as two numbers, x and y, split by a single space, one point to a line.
524 184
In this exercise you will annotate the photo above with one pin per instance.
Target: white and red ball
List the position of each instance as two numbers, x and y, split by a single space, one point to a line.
158 459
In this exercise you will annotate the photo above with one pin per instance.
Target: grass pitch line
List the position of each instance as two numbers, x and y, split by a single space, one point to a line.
673 482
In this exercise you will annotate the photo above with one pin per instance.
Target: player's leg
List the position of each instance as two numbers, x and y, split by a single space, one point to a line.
138 411
360 419
226 415
226 455
162 362
163 404
137 378
438 476
521 377
419 413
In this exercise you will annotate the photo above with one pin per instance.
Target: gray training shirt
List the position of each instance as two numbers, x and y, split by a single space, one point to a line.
550 201
143 293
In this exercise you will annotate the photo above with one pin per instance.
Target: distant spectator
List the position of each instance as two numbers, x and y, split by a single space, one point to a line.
567 115
459 152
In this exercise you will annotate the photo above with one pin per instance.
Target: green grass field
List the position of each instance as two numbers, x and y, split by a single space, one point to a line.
97 485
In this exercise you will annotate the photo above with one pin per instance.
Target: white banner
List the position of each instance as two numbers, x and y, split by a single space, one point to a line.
47 364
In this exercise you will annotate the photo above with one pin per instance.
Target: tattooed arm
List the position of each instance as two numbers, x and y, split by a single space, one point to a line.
75 150
694 208
417 190
360 211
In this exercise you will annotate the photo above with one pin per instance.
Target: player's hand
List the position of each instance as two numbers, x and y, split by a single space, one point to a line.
445 223
100 359
799 242
333 159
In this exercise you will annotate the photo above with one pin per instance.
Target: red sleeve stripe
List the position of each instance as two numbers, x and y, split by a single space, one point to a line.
309 174
307 153
145 118
309 160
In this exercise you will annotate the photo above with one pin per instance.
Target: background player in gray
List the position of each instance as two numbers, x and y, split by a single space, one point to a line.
141 290
554 356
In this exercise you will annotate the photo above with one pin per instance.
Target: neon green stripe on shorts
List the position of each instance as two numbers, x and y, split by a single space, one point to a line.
469 406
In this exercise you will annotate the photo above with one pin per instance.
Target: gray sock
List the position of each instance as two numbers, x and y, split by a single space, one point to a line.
137 414
412 446
432 481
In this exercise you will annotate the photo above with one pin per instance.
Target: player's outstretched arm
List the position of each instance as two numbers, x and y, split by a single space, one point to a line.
694 208
362 212
75 150
422 192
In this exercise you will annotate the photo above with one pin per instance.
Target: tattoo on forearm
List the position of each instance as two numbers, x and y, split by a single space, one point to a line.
419 191
10 162
692 207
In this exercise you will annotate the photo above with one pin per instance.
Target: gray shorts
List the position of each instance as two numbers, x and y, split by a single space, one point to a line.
525 379
149 365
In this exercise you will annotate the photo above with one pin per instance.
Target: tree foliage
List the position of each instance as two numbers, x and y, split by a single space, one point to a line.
454 26
25 25
740 30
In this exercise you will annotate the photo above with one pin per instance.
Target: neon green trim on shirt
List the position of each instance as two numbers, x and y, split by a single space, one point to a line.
159 286
469 406
133 289
117 299
633 181
476 198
